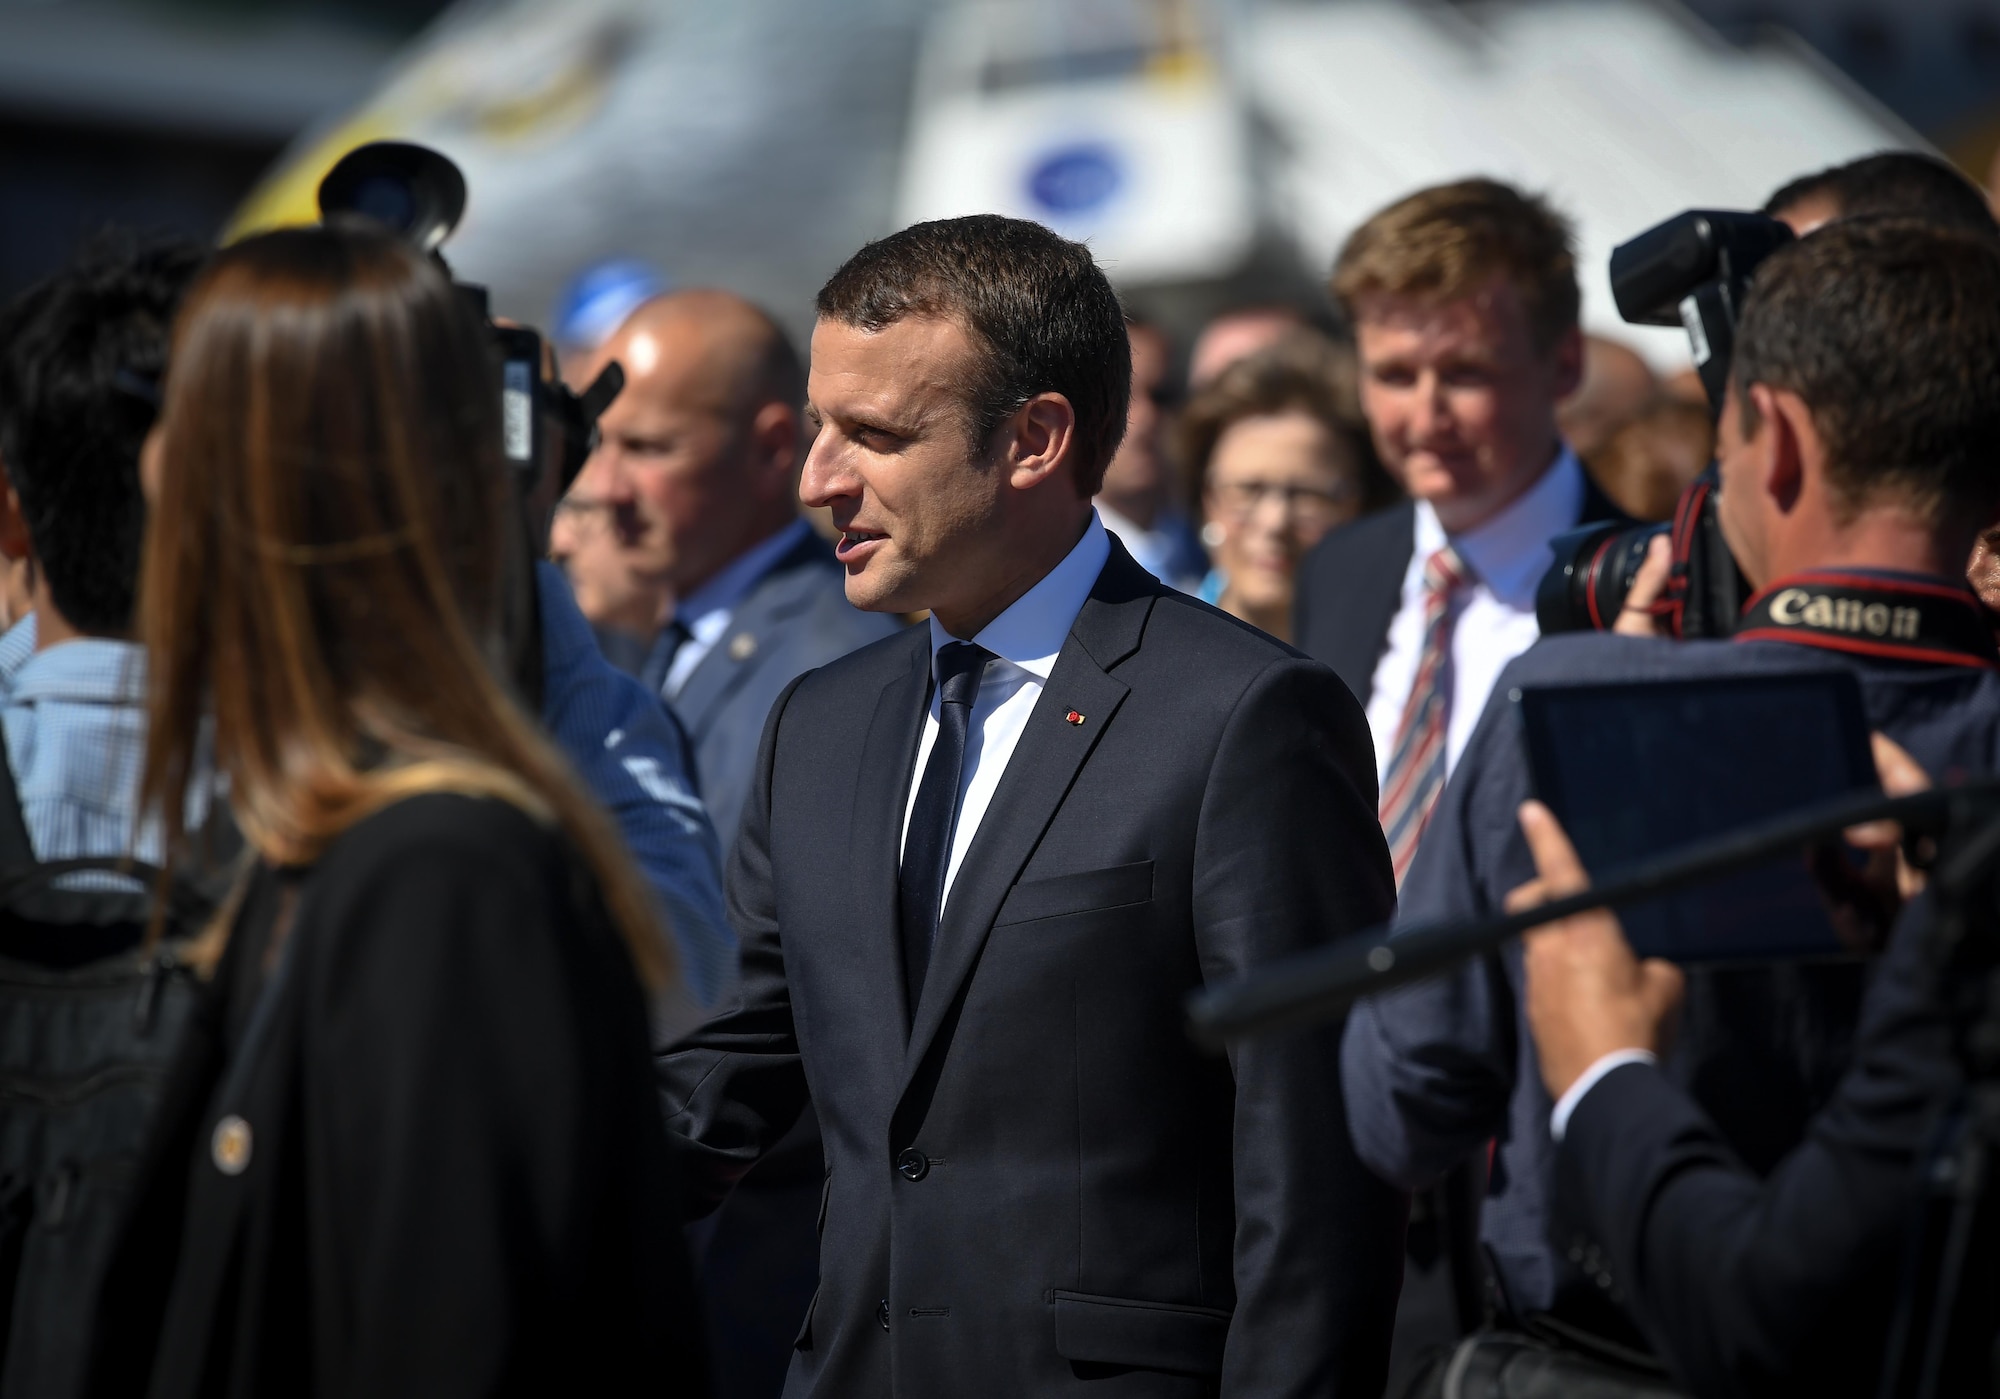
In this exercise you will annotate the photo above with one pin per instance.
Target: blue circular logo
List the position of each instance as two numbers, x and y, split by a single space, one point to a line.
1076 179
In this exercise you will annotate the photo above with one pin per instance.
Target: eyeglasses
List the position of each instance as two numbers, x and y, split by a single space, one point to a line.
1306 505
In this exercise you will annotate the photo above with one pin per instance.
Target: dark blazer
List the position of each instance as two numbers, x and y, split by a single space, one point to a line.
1041 1184
1783 1285
1351 584
453 1179
795 618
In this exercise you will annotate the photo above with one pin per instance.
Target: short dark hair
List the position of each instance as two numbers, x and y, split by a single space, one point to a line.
79 353
1889 330
1038 306
1447 241
1895 184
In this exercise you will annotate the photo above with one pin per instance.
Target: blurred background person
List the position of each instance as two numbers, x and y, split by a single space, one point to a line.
1464 302
421 1081
78 353
1653 456
1136 501
696 483
1617 385
1280 457
695 486
626 609
1236 333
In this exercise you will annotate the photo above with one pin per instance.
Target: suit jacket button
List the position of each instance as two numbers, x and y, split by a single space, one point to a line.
882 1313
912 1164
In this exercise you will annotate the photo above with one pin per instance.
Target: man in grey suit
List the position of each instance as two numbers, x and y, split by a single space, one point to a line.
696 482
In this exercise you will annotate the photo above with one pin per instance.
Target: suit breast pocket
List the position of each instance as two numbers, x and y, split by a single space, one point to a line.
1090 891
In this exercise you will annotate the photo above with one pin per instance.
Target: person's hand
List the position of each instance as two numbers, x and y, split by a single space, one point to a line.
1901 776
1587 994
1636 617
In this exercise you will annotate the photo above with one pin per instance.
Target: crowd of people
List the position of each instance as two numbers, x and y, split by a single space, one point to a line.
727 929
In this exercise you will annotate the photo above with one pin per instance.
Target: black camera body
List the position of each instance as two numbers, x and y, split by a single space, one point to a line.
419 194
1691 271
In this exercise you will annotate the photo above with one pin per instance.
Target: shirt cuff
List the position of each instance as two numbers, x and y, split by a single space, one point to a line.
1616 1059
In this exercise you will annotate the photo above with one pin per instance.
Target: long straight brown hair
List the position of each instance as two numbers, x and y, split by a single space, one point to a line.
328 533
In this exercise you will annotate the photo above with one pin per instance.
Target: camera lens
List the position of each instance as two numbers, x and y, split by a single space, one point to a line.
388 200
1594 570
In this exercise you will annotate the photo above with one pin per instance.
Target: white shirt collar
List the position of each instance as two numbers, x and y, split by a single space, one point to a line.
714 600
1510 552
1031 632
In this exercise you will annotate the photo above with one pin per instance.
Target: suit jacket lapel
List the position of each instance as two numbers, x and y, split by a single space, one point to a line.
710 684
875 832
1038 777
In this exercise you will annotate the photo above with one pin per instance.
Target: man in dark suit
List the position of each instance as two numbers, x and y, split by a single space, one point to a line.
695 489
696 483
984 862
1751 1284
1855 452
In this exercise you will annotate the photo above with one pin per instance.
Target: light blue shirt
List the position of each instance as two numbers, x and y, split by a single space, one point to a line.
707 611
75 723
1025 641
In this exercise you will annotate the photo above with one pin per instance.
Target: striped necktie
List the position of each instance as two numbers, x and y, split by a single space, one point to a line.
1416 771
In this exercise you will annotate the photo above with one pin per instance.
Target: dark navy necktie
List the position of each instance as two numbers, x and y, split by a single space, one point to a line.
927 846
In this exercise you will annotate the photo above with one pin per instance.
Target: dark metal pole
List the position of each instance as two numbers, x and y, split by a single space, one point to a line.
1320 984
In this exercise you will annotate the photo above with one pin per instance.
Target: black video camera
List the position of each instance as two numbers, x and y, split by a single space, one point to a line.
420 195
1691 271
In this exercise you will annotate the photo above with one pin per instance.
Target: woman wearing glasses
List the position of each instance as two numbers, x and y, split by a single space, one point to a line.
1280 457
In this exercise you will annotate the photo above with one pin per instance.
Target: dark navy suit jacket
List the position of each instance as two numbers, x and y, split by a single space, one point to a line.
1436 1070
795 619
1037 1185
1779 1285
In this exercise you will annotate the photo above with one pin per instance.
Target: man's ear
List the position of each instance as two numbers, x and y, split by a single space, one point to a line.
13 524
1791 448
1038 441
774 446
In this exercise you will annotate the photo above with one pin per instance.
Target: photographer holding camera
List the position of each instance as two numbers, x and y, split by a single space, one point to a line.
1800 1282
1857 443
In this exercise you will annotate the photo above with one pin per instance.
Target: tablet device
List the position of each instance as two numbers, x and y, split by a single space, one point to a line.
1635 771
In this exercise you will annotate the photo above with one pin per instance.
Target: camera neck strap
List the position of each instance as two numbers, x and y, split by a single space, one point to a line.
1889 616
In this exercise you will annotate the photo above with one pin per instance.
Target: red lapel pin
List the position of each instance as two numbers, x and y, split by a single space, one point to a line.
1073 717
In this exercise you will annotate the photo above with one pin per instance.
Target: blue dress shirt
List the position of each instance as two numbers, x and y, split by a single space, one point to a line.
630 751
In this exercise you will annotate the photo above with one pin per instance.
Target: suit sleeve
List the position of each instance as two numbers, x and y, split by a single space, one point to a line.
1288 855
736 1085
1429 1069
1779 1286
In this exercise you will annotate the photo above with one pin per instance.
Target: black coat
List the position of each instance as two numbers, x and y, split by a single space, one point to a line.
455 1180
1780 1285
1351 584
1042 1188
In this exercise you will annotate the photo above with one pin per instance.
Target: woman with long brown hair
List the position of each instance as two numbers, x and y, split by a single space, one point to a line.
413 1145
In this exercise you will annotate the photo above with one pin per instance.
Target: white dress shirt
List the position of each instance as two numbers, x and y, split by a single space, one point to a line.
1567 1104
1025 640
1495 617
707 611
